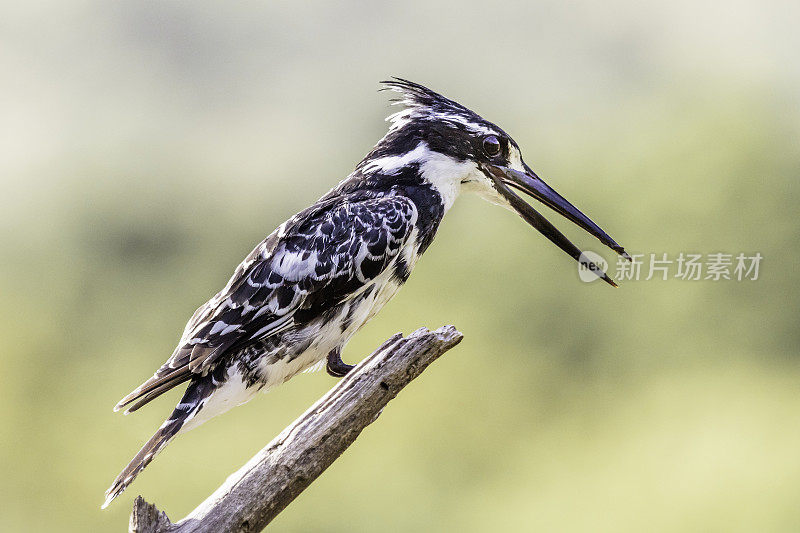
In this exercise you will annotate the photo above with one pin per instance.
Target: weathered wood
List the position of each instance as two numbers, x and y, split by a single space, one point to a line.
146 518
254 495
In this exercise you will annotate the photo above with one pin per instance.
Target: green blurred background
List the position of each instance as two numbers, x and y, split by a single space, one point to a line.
146 147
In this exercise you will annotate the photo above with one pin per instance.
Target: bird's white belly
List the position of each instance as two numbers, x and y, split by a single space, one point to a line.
370 306
232 393
335 333
327 336
235 391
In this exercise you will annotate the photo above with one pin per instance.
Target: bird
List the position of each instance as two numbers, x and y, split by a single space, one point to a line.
297 299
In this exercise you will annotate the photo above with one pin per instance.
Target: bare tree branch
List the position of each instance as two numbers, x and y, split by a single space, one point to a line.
253 496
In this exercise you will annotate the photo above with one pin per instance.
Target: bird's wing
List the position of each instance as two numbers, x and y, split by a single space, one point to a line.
309 265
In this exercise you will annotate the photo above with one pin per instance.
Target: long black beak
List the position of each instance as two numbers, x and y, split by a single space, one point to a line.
528 182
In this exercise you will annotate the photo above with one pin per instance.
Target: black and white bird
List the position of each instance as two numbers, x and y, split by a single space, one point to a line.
305 290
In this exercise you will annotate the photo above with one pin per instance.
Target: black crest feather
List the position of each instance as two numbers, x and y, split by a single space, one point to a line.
415 95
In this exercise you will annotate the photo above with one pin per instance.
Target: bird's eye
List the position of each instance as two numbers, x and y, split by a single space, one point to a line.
491 145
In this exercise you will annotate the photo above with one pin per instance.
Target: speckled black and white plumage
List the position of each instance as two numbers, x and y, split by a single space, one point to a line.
305 290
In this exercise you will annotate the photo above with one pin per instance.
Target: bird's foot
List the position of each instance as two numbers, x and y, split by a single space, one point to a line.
336 367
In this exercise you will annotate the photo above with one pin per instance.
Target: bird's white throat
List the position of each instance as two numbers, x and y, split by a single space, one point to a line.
443 173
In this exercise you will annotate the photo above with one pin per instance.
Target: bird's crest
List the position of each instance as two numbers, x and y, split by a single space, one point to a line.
421 98
423 103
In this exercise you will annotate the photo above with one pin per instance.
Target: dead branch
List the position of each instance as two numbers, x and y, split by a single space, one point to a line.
253 496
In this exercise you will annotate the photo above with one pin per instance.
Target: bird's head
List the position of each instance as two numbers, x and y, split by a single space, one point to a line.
455 149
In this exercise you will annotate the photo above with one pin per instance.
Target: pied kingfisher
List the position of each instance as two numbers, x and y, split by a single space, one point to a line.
303 292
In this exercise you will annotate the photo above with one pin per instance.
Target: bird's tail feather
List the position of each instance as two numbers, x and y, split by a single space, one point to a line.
191 403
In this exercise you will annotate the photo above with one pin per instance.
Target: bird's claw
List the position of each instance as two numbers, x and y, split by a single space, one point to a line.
336 367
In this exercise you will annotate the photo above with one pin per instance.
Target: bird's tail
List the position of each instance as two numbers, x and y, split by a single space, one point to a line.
191 403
